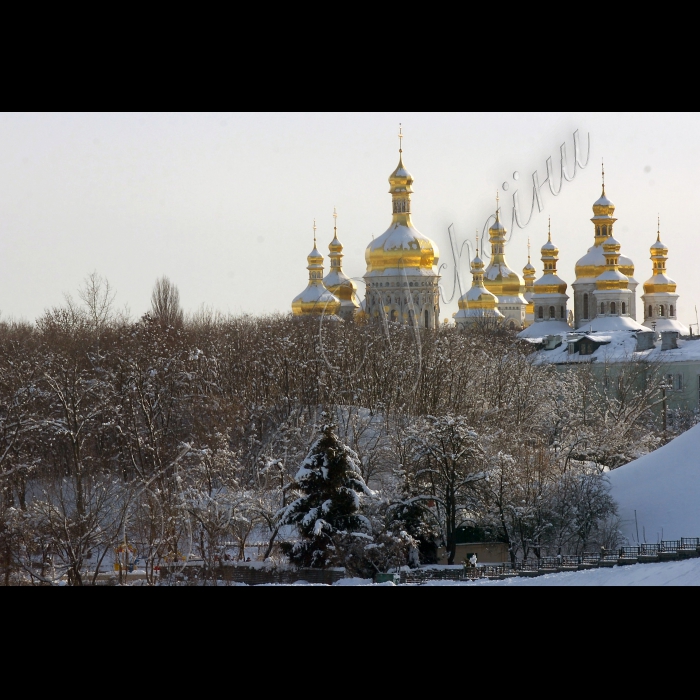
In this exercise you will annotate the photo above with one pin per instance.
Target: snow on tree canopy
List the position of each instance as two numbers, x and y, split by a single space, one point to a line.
329 489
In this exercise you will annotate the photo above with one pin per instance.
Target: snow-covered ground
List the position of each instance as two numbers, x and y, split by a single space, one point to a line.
663 488
673 573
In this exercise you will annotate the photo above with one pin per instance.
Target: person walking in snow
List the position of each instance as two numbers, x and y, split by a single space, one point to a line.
472 559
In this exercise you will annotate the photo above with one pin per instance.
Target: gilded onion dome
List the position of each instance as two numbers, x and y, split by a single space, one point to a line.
499 279
659 281
336 281
401 246
478 301
593 263
550 282
611 277
315 299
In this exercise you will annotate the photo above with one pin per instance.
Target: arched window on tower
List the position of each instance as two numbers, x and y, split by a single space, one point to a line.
427 320
605 230
602 308
552 312
670 310
563 312
540 312
661 310
613 308
651 310
585 305
624 308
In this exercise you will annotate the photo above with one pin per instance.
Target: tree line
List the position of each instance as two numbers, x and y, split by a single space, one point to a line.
176 434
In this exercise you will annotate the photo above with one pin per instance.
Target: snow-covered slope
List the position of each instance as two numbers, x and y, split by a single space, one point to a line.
664 488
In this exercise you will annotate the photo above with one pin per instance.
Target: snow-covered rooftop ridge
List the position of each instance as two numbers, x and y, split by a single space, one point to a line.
616 346
540 329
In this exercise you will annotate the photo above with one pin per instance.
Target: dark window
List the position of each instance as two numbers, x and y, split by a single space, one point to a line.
552 312
602 307
585 305
624 308
670 310
427 324
613 308
661 310
651 311
540 312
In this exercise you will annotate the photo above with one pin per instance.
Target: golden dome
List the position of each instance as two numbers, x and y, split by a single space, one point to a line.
478 301
315 299
612 277
659 281
593 263
550 282
499 279
401 246
336 281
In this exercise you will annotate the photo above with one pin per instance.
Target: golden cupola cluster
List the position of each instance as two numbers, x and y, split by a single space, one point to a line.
478 302
315 299
500 280
605 288
336 281
529 275
401 280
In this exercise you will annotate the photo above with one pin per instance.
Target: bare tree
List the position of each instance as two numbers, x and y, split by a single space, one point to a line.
165 303
98 296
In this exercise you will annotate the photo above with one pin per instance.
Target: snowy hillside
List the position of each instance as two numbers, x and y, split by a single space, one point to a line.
664 488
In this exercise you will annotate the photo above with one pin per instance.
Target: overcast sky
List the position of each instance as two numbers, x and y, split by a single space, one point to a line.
223 203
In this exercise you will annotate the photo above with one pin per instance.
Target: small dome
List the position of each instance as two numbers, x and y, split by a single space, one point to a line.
611 244
400 180
603 206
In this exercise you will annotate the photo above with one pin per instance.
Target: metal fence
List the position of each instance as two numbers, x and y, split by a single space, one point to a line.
555 563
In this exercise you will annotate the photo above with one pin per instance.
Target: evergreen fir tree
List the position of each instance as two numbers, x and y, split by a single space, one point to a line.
329 488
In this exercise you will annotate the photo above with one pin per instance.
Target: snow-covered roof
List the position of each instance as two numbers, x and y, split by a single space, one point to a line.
595 256
539 329
669 324
399 236
549 280
316 293
613 323
620 346
663 488
494 270
612 276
